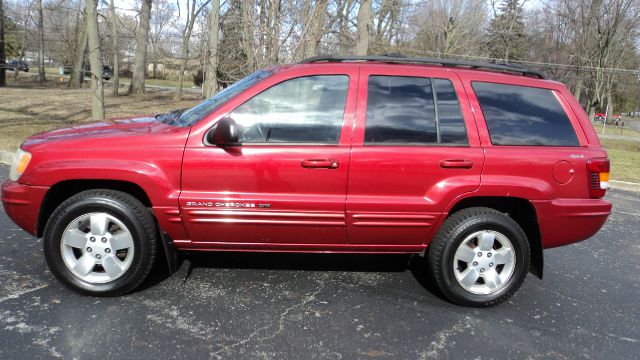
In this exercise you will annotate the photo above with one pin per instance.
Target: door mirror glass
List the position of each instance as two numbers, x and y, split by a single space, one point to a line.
225 133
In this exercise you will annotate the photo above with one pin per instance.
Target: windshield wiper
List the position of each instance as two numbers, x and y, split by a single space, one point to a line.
170 118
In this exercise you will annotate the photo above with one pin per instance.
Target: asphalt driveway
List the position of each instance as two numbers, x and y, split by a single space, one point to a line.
279 306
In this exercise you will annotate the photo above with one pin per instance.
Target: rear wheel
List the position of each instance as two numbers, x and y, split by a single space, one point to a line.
479 257
100 242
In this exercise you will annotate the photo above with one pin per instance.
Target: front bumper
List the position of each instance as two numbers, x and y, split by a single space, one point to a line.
22 204
566 221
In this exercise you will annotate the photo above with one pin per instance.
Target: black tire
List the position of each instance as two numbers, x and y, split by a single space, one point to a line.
453 232
127 209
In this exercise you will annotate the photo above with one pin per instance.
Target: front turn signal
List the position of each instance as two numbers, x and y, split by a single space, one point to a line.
20 163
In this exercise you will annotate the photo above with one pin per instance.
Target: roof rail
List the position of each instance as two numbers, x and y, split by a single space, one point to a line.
396 58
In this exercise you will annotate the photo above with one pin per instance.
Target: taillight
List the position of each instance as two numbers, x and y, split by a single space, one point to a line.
598 172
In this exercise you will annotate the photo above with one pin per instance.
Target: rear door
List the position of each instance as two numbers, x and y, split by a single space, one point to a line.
415 149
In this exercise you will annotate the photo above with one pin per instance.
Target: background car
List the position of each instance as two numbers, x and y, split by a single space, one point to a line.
18 65
107 73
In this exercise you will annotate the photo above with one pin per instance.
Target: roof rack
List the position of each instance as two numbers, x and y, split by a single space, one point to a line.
512 68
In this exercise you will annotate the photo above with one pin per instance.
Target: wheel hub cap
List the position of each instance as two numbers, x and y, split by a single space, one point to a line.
484 262
97 247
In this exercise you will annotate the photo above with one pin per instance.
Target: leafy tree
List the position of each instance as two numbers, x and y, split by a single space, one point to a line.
506 35
13 48
232 57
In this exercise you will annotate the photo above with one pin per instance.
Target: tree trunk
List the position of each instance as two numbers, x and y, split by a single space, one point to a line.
363 28
343 19
211 80
142 39
3 56
184 54
186 36
316 23
41 77
95 59
274 48
116 51
262 32
247 33
77 73
578 90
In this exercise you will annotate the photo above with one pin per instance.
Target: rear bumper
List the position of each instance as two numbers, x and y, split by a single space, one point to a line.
22 203
566 221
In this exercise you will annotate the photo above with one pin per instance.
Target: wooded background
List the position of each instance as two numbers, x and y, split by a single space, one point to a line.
593 46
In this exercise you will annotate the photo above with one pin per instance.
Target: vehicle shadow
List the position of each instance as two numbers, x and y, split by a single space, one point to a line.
417 265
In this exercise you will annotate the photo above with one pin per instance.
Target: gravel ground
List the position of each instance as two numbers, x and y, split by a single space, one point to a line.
285 306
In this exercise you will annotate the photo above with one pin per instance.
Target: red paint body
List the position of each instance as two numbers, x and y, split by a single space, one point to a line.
323 198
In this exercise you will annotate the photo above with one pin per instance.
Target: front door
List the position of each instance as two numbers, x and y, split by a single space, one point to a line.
415 149
285 184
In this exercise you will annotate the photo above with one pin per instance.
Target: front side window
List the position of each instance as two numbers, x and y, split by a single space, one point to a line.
302 110
191 116
522 115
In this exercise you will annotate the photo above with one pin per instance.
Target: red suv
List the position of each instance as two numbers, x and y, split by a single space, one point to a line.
478 167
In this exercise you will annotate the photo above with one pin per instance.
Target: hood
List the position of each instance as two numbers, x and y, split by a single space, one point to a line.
118 128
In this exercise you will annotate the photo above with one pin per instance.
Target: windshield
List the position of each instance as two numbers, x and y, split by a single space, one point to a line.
191 116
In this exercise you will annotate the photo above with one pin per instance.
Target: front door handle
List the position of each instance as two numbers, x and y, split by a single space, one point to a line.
456 164
320 164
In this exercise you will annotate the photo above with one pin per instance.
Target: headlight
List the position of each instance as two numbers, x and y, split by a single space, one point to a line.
20 163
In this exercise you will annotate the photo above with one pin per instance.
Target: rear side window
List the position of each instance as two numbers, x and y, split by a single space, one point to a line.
412 111
521 115
452 128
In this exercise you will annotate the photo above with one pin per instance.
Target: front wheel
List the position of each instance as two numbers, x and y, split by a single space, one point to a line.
100 242
479 257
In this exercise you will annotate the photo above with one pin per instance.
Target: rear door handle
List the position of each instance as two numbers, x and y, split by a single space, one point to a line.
456 164
320 164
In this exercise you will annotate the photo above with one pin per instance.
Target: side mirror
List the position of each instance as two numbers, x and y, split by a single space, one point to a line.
225 133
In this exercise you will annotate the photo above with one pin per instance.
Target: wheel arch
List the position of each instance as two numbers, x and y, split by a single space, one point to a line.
522 212
63 190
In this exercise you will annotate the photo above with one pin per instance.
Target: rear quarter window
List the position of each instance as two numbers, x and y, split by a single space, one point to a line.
525 116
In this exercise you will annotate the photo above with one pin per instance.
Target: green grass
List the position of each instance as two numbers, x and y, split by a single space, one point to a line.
611 129
625 159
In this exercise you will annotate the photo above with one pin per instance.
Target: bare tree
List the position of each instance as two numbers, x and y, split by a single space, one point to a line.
364 27
601 35
314 29
95 60
77 72
247 33
142 39
344 10
450 27
162 14
193 11
116 51
211 78
3 57
273 49
41 76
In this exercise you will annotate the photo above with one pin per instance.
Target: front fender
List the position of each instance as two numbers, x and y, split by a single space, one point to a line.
158 177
